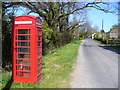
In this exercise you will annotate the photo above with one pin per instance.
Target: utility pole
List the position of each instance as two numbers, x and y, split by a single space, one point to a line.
102 28
102 24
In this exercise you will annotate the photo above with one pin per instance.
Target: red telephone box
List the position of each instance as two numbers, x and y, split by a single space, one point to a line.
27 48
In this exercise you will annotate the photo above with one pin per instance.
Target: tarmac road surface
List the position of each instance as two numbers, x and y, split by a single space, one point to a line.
96 67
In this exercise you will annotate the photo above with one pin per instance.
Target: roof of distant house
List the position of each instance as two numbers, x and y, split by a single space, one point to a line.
113 30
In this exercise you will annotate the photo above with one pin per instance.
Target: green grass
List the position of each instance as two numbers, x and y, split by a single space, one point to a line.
56 72
114 47
0 78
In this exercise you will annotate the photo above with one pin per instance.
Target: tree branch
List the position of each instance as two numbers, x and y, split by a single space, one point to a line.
32 7
10 4
93 4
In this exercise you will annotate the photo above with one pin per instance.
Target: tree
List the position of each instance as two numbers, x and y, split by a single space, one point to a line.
102 31
115 27
56 17
6 38
101 34
55 12
96 28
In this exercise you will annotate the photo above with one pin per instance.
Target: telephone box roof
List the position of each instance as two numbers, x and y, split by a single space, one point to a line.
27 16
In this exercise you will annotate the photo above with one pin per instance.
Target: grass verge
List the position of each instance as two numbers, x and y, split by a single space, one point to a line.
56 72
110 45
115 47
99 42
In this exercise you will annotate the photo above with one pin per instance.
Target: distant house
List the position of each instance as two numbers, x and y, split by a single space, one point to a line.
93 35
115 33
108 34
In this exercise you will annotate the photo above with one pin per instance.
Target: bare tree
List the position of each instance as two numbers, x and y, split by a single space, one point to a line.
56 13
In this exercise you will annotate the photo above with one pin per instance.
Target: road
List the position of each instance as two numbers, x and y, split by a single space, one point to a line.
96 67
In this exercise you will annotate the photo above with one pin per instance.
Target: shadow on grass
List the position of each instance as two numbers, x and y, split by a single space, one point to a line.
115 49
8 85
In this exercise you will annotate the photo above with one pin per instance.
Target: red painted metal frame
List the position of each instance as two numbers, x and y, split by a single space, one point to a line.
32 70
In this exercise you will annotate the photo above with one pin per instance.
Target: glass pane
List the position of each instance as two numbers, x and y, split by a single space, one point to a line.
26 56
38 66
23 43
38 43
38 71
38 37
23 37
23 74
25 68
23 62
23 31
27 62
19 61
23 50
38 60
38 49
38 32
38 55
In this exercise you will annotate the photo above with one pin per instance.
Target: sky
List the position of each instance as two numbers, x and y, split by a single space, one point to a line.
109 19
95 17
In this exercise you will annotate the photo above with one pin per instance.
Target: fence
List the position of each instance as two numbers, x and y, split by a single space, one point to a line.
114 41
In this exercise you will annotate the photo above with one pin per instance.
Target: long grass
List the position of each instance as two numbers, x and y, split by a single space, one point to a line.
56 72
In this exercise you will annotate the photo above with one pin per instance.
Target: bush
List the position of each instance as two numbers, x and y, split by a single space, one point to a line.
48 38
96 36
6 45
105 40
54 39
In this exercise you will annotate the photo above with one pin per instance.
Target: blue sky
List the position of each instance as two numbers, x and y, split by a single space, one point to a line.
96 16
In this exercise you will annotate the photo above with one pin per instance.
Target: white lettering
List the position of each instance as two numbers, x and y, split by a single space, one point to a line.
23 22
